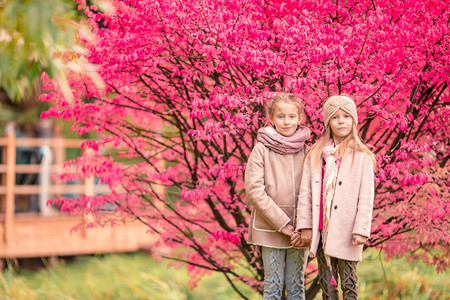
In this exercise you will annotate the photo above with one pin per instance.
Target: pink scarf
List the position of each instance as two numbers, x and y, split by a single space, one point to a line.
332 164
281 144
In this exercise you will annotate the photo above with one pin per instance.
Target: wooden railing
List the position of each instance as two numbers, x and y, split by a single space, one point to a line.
47 232
8 170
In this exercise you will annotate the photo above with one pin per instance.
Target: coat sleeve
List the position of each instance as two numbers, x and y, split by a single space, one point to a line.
363 218
304 204
256 191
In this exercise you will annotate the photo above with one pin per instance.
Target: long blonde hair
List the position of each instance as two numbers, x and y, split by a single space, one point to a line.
352 140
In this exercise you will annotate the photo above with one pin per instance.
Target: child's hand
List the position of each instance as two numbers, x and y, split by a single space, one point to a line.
288 230
306 235
296 240
358 239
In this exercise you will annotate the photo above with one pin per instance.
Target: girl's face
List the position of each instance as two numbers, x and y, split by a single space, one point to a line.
341 124
285 118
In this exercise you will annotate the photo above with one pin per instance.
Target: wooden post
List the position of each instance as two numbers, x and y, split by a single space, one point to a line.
10 180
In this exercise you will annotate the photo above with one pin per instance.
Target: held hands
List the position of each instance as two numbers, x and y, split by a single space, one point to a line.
296 240
300 239
358 239
287 230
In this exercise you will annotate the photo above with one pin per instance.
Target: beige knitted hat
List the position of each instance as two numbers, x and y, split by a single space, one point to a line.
335 103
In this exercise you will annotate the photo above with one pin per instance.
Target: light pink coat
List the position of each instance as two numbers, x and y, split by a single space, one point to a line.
272 183
351 209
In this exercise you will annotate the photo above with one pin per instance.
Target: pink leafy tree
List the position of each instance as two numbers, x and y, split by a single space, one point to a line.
175 92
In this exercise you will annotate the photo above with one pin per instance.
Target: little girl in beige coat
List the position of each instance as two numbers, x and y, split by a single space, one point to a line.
336 198
272 179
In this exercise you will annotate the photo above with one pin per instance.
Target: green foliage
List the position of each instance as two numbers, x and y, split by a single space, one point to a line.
32 32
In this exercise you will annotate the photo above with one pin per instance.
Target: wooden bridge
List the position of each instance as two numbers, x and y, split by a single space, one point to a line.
47 232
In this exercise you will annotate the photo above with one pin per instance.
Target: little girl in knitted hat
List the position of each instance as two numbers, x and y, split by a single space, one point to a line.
334 210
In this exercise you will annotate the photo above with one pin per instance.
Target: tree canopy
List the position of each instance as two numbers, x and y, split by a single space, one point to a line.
176 90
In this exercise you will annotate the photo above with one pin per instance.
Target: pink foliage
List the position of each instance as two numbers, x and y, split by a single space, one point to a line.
226 237
180 99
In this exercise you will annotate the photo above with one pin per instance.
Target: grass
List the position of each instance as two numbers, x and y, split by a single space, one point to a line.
400 279
138 276
117 276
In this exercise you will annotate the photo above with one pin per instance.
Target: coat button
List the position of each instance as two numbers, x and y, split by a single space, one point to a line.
340 182
335 207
